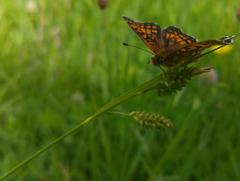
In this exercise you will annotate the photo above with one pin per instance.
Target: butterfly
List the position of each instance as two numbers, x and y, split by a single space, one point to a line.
170 46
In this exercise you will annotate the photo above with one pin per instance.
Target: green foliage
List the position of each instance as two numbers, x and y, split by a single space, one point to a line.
60 61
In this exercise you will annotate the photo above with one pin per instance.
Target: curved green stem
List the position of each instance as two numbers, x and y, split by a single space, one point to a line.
145 87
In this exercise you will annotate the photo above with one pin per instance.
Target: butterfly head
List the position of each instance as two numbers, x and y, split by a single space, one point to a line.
157 60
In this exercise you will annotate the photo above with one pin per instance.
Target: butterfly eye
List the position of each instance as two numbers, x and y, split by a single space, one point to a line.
156 60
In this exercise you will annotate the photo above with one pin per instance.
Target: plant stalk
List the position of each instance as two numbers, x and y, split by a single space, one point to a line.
145 87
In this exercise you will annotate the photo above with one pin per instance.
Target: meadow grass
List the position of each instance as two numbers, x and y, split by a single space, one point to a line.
60 61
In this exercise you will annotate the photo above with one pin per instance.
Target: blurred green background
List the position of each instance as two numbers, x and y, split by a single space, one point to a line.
61 60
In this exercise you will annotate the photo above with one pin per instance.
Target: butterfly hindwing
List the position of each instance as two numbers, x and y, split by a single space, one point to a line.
149 32
189 51
197 47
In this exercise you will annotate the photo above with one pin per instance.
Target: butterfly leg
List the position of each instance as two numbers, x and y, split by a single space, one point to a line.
162 69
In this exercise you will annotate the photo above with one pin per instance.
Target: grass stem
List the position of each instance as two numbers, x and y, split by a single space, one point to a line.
145 87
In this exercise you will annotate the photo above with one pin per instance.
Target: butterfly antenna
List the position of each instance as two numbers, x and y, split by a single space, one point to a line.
128 45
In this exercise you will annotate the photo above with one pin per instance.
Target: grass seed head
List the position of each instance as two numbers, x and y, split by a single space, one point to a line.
151 120
102 3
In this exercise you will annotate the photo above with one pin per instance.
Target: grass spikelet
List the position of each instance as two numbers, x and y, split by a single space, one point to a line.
151 120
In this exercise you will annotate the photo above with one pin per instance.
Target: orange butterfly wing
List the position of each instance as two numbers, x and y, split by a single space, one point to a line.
197 47
189 51
150 33
171 46
174 39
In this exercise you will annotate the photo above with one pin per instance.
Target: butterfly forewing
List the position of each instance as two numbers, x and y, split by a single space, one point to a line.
149 32
174 39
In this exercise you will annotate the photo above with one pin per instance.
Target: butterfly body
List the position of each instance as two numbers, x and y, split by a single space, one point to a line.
171 46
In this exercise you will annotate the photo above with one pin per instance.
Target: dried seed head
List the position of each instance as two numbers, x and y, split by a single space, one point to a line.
238 14
151 120
102 3
210 77
31 6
